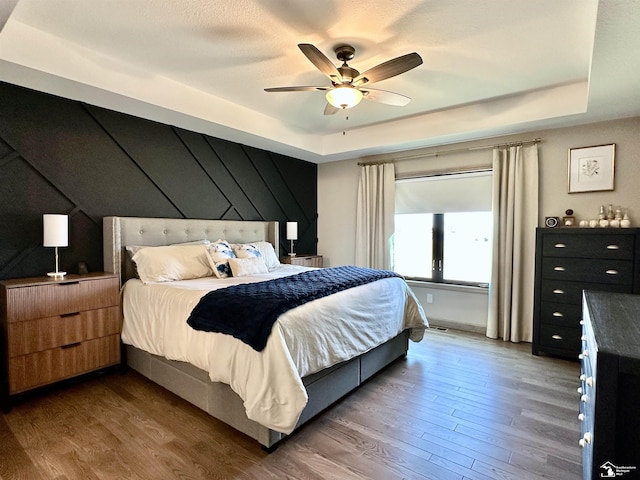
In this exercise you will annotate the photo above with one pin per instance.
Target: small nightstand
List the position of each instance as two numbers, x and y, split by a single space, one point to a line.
306 260
57 329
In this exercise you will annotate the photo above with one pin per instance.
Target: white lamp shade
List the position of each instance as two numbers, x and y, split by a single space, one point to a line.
292 230
56 230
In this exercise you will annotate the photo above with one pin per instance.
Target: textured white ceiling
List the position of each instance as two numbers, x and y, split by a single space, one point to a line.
490 67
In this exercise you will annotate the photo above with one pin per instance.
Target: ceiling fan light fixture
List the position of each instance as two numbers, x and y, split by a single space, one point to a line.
344 96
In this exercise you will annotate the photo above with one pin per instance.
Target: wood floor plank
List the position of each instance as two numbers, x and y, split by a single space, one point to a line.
460 406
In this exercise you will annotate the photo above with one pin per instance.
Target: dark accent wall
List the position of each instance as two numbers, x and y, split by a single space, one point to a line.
64 156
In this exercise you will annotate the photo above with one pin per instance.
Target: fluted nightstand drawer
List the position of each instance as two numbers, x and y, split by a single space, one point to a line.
303 260
39 298
47 366
51 332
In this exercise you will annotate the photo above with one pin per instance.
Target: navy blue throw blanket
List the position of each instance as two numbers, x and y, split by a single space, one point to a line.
248 311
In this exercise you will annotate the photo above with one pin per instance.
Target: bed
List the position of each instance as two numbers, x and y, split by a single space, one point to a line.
314 387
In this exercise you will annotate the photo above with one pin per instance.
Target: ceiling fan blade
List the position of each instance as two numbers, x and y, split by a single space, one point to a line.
389 69
296 89
330 109
382 96
321 62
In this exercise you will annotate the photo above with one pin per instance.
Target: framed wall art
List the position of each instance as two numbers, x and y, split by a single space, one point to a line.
591 169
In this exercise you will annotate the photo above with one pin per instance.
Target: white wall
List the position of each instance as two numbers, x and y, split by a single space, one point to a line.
466 308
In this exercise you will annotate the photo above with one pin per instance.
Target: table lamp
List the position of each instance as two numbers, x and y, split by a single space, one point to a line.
56 234
292 234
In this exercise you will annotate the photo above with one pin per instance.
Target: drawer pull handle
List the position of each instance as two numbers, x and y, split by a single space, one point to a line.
589 381
613 247
67 283
559 269
560 245
581 417
558 291
558 314
556 337
585 440
71 345
580 390
72 314
612 272
584 398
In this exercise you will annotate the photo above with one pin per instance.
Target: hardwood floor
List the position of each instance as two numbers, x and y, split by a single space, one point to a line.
460 406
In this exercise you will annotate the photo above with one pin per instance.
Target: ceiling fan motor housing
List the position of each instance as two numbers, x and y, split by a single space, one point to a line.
345 52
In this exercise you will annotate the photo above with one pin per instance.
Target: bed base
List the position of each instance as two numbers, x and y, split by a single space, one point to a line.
217 399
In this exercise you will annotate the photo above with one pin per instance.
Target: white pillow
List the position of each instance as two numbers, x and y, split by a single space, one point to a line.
258 249
172 262
133 249
220 252
247 266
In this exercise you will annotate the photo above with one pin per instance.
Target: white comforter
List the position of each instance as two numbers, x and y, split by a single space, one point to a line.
304 340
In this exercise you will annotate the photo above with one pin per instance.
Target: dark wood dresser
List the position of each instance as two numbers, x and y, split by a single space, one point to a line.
610 385
568 261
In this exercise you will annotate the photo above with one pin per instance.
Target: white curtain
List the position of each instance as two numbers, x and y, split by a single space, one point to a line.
515 213
374 217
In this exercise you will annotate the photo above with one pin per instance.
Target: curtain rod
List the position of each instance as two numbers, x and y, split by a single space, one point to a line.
453 150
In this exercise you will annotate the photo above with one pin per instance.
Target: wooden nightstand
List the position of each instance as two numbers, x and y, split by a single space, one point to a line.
306 260
52 330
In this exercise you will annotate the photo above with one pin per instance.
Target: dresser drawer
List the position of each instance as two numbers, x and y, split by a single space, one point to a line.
603 246
45 333
592 271
560 291
561 337
564 314
41 368
40 301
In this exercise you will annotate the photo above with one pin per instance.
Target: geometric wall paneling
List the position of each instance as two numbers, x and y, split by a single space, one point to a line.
63 156
233 204
24 195
63 141
160 154
284 182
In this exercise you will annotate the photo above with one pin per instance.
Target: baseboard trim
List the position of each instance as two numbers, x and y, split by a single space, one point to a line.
466 327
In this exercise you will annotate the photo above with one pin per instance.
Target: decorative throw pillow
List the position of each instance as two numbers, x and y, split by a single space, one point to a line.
258 249
247 266
172 262
220 252
246 250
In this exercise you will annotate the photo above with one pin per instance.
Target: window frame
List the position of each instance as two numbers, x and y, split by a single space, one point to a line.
438 232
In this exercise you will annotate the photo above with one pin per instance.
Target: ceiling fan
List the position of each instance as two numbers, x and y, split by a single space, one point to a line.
348 86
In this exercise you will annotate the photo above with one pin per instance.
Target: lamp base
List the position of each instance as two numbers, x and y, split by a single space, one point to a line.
57 275
292 254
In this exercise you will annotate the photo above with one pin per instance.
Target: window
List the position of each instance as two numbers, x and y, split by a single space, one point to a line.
443 227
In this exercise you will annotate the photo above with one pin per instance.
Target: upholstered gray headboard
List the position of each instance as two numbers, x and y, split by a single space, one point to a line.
118 232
